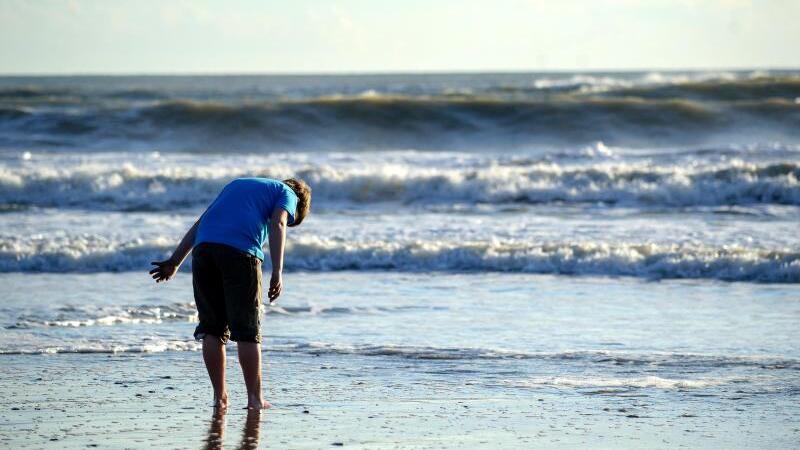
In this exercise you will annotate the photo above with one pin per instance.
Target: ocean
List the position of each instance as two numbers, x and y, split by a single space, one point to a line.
627 242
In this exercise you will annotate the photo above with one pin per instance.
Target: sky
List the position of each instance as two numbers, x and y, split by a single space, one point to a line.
355 36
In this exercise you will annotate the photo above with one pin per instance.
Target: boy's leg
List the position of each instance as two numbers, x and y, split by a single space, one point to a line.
214 357
250 360
209 297
242 285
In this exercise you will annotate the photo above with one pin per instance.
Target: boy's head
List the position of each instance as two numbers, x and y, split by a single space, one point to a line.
303 192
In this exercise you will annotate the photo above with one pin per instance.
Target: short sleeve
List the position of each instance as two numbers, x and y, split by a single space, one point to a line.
287 200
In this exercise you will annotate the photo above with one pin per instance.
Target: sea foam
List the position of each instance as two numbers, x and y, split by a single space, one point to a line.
647 260
130 186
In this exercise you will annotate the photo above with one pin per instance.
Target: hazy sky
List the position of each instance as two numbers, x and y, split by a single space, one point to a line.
190 36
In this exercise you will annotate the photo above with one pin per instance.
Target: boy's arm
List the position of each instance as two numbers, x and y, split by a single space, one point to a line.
167 269
277 241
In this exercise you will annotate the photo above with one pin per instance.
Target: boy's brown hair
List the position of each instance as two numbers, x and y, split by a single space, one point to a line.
303 192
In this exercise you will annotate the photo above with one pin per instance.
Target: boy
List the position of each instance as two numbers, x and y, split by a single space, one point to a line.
226 271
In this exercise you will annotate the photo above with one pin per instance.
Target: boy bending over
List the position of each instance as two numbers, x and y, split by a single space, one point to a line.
226 271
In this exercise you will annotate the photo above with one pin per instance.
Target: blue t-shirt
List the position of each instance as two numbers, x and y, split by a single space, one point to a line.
240 214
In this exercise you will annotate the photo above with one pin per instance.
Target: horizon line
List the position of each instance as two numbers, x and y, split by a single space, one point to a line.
398 72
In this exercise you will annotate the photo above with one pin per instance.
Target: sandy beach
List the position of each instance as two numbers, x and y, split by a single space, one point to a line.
329 387
161 401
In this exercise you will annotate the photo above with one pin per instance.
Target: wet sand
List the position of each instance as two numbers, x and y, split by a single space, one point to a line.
162 401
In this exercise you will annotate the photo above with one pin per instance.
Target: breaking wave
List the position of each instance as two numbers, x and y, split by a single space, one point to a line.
83 253
638 260
128 187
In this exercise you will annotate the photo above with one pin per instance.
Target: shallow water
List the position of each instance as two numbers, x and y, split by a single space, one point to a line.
542 330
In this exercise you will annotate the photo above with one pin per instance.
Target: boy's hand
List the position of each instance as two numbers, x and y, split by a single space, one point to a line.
275 286
164 270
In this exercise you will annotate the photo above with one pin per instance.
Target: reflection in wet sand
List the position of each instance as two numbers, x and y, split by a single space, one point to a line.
216 430
252 426
250 435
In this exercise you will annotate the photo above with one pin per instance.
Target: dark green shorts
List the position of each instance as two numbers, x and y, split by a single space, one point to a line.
227 292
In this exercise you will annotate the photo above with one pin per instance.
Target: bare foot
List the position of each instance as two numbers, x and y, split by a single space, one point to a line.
221 402
258 403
